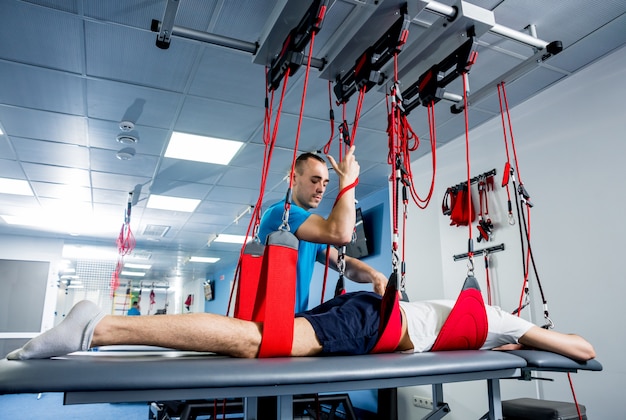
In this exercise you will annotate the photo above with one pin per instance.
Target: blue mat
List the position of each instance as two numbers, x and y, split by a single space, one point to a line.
50 405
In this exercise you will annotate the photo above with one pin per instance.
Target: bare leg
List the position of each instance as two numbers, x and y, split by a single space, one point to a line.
198 332
195 332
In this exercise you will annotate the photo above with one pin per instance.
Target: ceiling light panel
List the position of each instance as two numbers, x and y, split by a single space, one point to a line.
15 186
163 202
209 260
201 149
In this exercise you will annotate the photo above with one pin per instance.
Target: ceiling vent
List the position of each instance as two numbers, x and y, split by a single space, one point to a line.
141 255
156 230
126 138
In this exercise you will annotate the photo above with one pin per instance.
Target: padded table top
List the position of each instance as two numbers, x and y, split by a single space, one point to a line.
545 360
97 371
161 375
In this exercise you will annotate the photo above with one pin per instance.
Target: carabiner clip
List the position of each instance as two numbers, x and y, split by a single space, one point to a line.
470 266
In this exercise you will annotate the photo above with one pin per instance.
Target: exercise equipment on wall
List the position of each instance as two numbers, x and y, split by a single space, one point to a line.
458 203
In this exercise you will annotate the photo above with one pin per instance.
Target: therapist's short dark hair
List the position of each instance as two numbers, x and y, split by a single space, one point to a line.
306 156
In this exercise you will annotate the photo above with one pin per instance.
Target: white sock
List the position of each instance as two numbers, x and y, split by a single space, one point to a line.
74 333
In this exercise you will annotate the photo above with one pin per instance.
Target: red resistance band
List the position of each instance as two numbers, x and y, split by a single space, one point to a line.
466 327
390 328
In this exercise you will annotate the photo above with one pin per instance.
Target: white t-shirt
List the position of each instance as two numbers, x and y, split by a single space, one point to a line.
425 319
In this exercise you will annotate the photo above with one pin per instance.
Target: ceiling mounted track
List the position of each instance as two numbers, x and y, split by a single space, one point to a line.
435 32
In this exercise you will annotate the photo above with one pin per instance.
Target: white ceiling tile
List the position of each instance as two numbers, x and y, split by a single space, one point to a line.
62 191
109 181
57 174
51 153
28 123
44 89
103 160
112 53
43 36
116 101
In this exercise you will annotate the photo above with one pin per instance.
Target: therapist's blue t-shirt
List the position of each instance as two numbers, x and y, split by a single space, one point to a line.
307 251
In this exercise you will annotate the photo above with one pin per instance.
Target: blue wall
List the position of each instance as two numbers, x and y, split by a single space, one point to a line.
223 280
375 210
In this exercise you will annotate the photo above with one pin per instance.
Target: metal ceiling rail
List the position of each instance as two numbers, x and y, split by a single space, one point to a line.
433 43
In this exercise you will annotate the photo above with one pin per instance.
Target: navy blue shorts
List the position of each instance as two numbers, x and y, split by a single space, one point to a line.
347 324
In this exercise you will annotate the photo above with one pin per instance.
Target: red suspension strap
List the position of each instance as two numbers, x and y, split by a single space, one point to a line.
402 140
248 271
523 207
274 293
466 327
279 267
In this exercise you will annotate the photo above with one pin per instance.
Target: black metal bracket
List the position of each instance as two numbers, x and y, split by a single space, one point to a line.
291 56
366 71
489 250
430 86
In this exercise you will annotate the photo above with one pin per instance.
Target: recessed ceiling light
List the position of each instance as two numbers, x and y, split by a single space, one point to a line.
138 266
201 149
132 273
15 186
164 202
230 239
89 253
209 260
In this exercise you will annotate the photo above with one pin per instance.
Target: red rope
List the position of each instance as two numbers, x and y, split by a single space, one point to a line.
269 139
470 253
571 385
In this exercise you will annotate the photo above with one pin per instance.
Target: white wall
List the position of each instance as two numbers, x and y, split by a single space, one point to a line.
571 145
32 249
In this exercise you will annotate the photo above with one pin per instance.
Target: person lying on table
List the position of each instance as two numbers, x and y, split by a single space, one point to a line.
345 325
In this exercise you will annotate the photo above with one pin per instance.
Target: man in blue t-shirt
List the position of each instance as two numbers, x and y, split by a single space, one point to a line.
314 231
134 309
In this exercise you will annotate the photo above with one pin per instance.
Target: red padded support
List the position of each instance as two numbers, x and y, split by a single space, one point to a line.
466 327
390 329
277 294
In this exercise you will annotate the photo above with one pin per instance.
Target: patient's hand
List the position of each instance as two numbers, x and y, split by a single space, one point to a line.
510 347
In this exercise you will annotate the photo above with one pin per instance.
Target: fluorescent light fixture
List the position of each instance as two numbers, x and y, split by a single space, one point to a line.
138 266
89 252
209 260
201 149
132 273
231 239
15 186
164 202
72 218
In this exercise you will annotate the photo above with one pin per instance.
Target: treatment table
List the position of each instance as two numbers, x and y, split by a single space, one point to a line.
147 376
